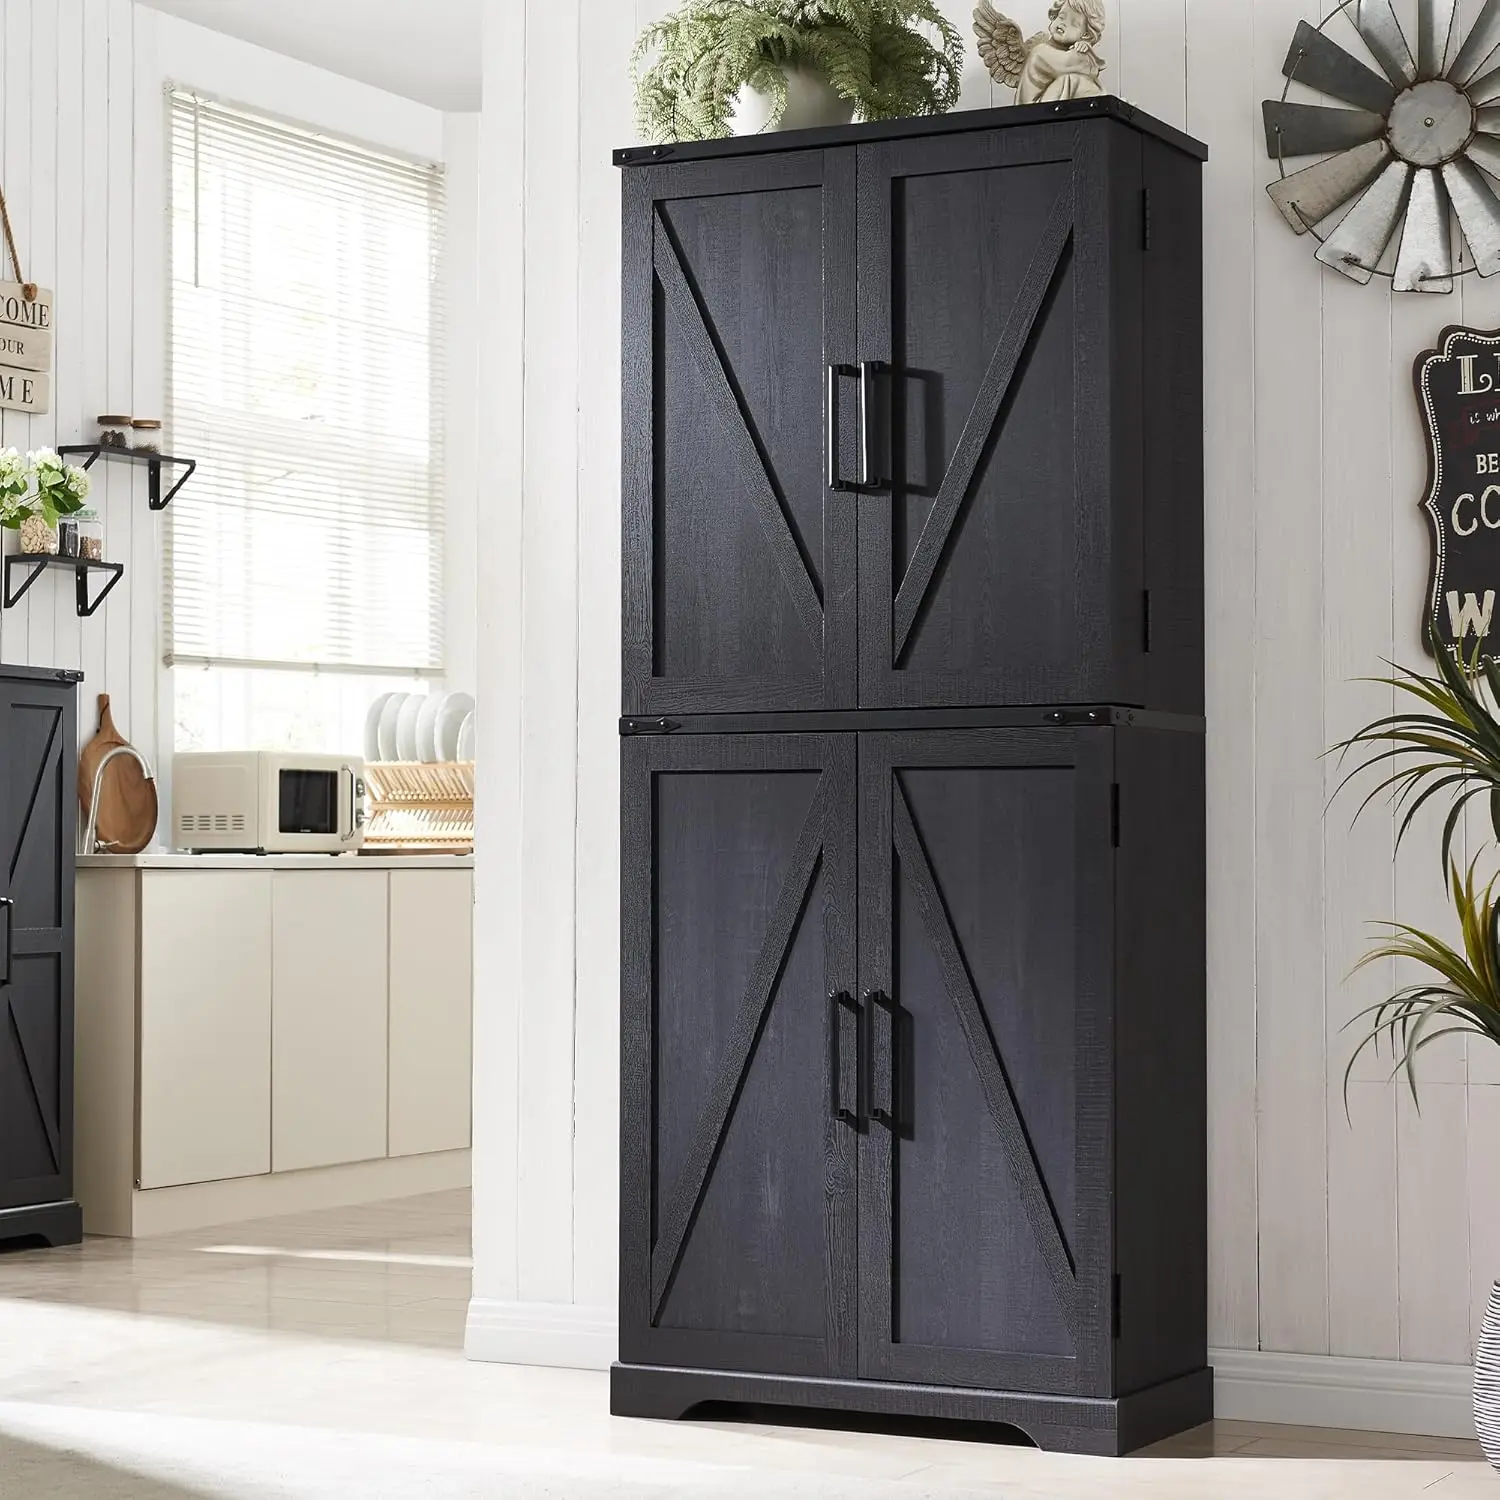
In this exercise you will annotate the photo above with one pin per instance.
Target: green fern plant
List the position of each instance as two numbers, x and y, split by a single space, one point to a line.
878 54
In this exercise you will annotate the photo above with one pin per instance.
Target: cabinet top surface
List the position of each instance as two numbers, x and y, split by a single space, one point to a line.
62 675
164 860
958 121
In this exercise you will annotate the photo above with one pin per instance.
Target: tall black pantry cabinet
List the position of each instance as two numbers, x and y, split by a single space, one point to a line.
913 1115
38 833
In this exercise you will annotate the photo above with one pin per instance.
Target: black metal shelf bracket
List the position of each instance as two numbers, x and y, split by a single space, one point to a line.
154 462
37 563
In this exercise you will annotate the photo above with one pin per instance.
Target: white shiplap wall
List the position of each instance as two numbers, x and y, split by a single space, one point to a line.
1377 1240
74 127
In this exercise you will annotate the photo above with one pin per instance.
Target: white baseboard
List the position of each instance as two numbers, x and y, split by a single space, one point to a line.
1301 1390
541 1333
200 1205
1316 1390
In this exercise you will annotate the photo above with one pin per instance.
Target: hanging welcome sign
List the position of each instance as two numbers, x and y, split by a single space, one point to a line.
25 335
1458 389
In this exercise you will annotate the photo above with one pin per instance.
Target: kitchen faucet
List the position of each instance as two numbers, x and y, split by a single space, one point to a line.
91 844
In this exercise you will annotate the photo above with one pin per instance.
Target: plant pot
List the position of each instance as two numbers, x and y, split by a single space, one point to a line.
36 536
810 100
1487 1381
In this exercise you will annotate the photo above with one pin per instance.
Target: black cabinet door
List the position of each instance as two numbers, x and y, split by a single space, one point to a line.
38 826
739 578
739 1050
999 281
986 935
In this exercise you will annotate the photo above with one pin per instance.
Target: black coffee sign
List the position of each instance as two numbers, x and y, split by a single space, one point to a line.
1458 389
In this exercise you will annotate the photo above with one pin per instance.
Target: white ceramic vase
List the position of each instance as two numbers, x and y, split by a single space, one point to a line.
810 100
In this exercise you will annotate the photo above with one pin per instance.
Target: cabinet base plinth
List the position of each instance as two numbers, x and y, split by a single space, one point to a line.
1060 1424
56 1223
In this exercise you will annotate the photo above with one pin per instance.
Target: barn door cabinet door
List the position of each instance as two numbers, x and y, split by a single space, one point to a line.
739 1048
1000 285
986 950
38 825
739 555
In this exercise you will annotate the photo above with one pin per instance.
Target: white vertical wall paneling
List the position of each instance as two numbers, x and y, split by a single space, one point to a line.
550 690
15 427
148 355
117 481
1149 61
499 918
1484 1202
604 95
89 309
71 339
1219 102
41 215
1291 1041
1357 855
461 450
1434 1185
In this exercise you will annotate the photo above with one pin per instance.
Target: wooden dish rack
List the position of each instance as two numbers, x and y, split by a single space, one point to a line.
419 806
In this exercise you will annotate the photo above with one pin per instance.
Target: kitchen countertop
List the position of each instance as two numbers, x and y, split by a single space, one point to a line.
163 859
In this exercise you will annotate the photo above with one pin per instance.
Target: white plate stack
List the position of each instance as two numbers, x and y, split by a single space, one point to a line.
416 728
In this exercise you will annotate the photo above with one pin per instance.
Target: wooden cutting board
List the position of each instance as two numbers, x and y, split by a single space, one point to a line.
127 800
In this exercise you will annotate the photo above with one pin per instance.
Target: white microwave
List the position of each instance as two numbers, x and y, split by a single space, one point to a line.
268 802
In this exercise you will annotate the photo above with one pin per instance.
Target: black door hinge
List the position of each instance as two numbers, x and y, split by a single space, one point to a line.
1114 814
1145 218
648 726
1114 1306
1146 621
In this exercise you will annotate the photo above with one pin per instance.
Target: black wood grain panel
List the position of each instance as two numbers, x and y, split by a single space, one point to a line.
999 1099
996 584
1025 1225
739 564
1014 341
1172 429
729 409
680 1203
38 823
1062 1424
1161 1125
738 872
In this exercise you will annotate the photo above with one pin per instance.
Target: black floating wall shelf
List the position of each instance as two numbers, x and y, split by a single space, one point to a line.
155 463
37 563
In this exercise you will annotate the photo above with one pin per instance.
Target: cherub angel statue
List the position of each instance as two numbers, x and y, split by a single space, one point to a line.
1058 63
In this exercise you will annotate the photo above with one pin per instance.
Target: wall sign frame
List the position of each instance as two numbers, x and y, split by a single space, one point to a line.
1458 393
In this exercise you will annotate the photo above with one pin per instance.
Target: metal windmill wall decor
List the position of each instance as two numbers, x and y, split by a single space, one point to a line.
1418 145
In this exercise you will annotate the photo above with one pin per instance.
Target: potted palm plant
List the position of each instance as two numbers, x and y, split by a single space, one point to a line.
722 67
1444 744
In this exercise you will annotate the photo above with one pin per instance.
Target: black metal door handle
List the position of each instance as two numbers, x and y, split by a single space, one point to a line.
10 936
844 1048
882 1060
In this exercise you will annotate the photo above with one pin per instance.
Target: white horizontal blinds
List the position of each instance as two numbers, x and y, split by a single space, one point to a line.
306 380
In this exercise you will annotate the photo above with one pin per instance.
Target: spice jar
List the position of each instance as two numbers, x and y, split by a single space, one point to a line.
67 538
146 435
114 432
90 534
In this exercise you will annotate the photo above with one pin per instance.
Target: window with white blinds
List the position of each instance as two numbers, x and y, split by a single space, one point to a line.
306 379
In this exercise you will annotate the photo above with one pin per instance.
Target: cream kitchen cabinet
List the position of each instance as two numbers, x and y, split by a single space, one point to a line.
260 1036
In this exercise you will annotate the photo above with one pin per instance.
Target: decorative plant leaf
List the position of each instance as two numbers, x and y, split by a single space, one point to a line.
873 52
